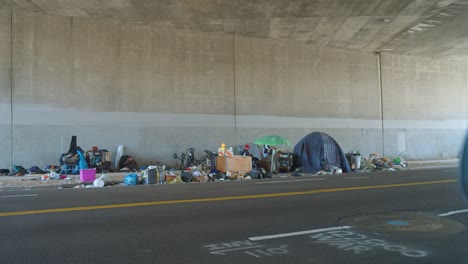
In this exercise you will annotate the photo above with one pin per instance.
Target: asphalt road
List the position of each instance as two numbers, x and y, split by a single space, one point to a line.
390 217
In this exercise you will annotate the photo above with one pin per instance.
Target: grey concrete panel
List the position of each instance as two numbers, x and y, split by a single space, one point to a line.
273 78
424 143
148 70
423 89
5 90
42 57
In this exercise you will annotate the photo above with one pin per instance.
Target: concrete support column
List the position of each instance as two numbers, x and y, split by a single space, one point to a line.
5 90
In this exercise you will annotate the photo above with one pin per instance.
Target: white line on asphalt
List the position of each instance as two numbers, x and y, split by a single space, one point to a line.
357 178
22 195
299 233
455 212
317 179
221 252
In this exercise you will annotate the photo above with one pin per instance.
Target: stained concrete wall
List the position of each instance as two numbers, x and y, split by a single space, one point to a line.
425 107
160 91
156 92
5 89
292 90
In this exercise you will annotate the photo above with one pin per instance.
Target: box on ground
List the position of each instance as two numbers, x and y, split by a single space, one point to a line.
234 163
87 175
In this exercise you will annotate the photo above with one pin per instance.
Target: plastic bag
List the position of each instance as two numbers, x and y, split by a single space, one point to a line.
131 179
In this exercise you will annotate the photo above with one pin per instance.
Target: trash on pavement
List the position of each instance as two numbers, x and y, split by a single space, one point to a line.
131 179
176 180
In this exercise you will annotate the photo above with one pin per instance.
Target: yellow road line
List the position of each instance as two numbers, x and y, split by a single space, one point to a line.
226 198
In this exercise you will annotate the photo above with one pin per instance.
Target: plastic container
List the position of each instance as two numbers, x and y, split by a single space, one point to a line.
150 177
87 175
357 161
98 183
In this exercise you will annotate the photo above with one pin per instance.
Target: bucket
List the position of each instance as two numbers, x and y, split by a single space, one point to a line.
357 161
150 177
87 175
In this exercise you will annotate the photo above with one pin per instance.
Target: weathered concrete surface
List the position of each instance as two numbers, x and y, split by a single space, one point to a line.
292 90
113 84
440 36
405 26
424 105
159 91
5 89
281 79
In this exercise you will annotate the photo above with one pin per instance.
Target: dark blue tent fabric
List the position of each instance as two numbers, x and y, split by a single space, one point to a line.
316 147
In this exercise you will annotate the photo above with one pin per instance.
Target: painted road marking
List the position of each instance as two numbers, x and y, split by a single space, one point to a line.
281 250
455 212
250 248
22 195
357 243
223 252
317 179
299 233
215 199
356 178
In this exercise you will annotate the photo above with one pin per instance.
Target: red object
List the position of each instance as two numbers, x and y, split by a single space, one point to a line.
95 149
246 146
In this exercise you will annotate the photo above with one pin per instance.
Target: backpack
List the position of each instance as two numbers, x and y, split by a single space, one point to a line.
128 162
18 171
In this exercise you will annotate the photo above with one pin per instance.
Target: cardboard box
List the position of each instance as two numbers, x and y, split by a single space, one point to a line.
234 163
168 178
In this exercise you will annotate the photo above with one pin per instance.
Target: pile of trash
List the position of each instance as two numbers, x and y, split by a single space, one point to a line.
383 164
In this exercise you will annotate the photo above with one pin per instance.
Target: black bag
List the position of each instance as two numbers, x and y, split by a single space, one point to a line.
127 161
186 176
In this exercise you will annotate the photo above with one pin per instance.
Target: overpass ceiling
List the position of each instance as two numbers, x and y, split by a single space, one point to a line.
428 28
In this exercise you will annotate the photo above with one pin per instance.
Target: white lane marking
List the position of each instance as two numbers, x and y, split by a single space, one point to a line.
22 195
299 233
455 212
222 252
318 179
357 178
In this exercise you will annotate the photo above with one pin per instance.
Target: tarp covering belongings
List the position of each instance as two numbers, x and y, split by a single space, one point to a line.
317 151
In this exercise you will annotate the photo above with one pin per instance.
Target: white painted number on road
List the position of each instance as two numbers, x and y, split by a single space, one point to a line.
358 243
223 248
268 252
248 247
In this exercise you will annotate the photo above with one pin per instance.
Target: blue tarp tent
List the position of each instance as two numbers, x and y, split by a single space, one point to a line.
313 150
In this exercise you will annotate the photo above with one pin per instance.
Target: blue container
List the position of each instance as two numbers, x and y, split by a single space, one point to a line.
131 179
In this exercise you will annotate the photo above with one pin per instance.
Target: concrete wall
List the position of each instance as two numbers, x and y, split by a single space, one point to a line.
425 107
160 91
292 90
5 89
156 92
